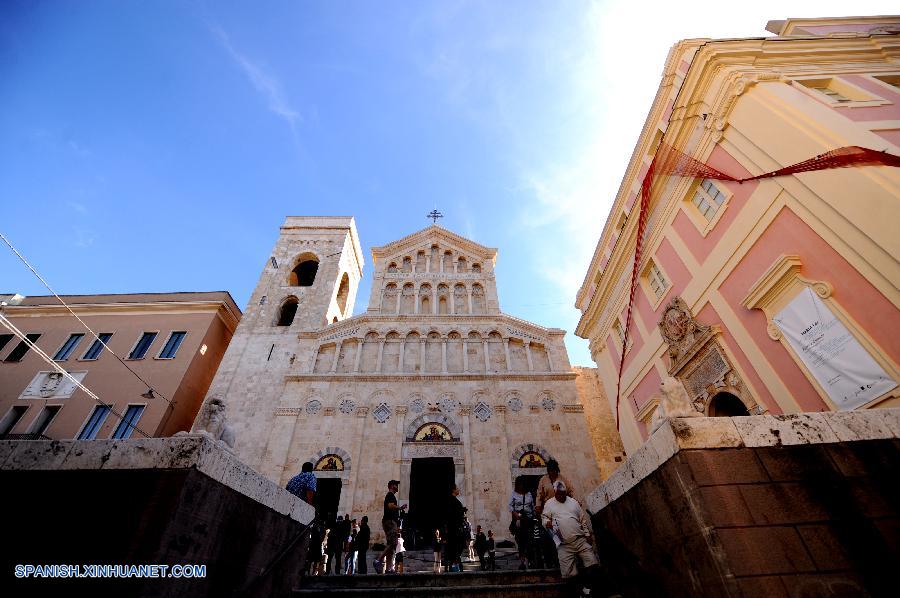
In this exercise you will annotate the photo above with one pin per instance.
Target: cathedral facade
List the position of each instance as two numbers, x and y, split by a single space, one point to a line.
433 385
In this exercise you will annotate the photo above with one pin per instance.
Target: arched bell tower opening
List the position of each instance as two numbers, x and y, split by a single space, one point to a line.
304 273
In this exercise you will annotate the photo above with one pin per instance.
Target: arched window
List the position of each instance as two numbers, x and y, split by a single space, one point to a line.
448 262
461 264
726 404
460 299
425 299
304 273
343 293
392 268
479 304
435 258
407 264
288 311
420 261
389 299
476 268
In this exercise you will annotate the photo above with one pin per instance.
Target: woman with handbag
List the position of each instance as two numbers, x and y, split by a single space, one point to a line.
521 508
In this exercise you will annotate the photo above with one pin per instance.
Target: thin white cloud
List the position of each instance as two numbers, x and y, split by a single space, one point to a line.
83 237
78 207
265 83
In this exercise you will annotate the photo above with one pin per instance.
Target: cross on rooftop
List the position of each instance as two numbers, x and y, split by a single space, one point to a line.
434 215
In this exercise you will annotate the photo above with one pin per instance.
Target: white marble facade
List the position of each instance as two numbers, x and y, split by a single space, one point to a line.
432 348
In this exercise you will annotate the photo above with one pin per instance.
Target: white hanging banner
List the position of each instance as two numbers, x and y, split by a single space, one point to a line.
841 366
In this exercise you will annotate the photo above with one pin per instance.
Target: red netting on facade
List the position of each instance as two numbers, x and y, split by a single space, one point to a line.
669 161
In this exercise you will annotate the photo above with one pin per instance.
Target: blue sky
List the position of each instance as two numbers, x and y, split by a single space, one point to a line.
157 146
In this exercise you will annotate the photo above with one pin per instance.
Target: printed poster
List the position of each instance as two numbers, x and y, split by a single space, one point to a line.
841 366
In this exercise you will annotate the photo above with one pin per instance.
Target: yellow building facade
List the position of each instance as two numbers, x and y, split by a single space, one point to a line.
773 296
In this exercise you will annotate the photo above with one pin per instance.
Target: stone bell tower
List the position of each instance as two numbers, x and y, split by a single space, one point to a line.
309 281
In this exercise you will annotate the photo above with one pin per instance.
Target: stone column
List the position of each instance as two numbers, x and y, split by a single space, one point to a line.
434 300
465 350
506 351
380 353
549 359
469 298
399 298
402 351
528 356
452 295
416 295
487 360
359 348
428 263
444 355
337 355
422 354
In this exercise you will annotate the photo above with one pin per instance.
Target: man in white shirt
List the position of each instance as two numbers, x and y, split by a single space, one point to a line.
569 524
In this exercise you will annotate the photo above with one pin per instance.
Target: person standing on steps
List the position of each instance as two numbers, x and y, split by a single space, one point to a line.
362 545
521 508
492 551
480 546
390 523
437 545
350 550
571 529
456 514
304 483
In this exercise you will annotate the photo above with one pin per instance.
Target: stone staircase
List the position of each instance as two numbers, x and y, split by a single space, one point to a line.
418 579
543 583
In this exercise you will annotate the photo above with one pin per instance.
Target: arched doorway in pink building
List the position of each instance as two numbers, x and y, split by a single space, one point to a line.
725 404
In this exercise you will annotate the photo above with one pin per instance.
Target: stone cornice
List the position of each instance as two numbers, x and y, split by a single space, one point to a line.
467 377
228 317
356 326
428 235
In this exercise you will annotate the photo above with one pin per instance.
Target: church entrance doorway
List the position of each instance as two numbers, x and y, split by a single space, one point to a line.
328 497
529 483
430 482
726 404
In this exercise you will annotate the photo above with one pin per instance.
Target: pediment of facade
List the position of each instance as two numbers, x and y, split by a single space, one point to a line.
429 236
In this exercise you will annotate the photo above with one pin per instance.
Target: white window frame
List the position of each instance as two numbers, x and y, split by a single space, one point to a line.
102 349
880 79
703 225
134 346
143 406
856 96
88 419
75 346
655 300
168 338
619 336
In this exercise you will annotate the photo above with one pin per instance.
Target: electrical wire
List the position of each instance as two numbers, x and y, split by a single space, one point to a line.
24 338
94 334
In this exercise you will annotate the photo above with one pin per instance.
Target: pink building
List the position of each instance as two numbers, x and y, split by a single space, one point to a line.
174 341
772 296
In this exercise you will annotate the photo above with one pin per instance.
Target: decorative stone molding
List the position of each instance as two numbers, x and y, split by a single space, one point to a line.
698 360
482 412
313 406
382 413
414 450
573 408
329 412
288 411
400 409
770 292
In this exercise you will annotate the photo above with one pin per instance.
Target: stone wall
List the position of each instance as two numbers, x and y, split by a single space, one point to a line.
173 501
801 505
607 443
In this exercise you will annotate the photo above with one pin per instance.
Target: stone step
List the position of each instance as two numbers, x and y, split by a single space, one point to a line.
432 580
556 589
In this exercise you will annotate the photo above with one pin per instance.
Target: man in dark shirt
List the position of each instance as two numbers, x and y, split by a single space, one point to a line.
391 525
362 545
